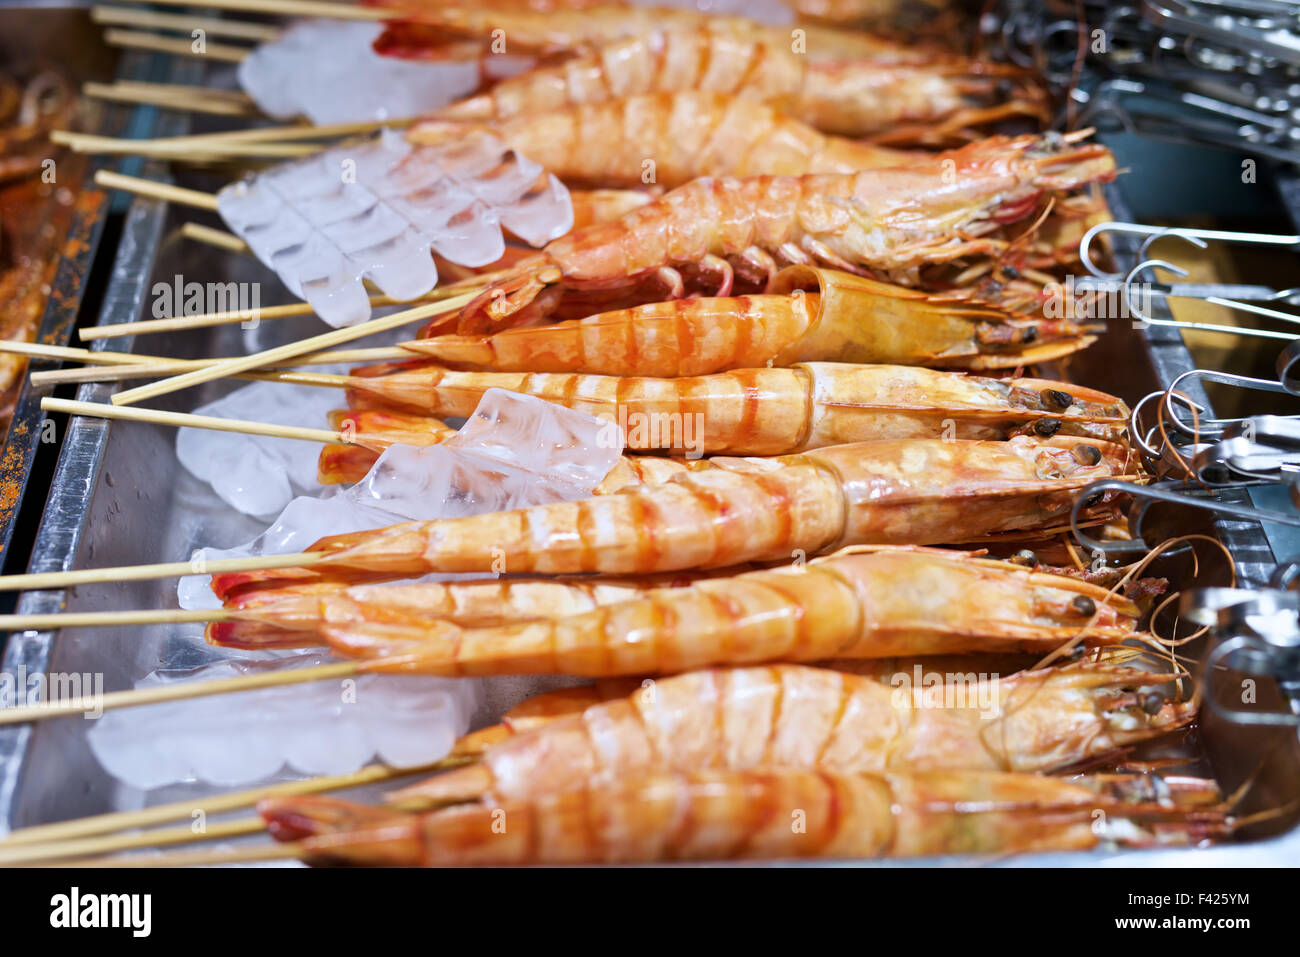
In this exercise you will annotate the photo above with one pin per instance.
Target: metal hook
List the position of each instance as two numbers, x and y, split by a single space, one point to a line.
1192 235
1143 316
1163 492
1212 428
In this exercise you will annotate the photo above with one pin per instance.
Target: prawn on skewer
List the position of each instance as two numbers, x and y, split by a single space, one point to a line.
722 815
874 604
942 101
773 411
890 222
813 315
290 617
730 511
382 427
815 719
668 139
429 30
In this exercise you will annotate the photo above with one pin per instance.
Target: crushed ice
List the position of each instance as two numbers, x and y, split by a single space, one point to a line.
514 451
374 209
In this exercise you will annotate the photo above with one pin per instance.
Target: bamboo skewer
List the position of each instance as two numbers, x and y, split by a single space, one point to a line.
105 358
292 8
188 420
155 190
216 804
282 354
217 150
186 23
91 619
205 858
161 837
176 692
121 372
232 316
173 97
260 142
179 46
214 237
123 573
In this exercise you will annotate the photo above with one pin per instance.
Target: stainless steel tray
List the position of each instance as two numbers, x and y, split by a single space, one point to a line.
120 497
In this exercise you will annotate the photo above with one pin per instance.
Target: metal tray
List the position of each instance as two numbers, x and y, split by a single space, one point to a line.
120 497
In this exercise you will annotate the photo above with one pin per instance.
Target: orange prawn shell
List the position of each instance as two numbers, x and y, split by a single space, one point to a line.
861 320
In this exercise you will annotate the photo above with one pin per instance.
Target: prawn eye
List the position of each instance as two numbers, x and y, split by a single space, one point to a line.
1047 427
1084 605
1086 454
1056 399
1152 703
1030 334
1025 557
1093 499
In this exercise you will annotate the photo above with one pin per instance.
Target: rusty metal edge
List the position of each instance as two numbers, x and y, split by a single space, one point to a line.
57 322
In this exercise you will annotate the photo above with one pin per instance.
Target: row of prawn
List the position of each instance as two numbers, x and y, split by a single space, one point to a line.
782 596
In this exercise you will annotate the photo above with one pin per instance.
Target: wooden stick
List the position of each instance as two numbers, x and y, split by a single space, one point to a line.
179 46
214 237
186 23
167 96
91 619
232 316
293 8
40 351
188 420
106 358
154 190
210 857
121 373
217 150
287 133
162 837
282 354
217 804
157 370
185 90
180 691
123 573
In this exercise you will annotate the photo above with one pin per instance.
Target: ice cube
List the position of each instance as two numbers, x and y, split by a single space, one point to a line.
324 727
514 451
375 208
328 71
258 475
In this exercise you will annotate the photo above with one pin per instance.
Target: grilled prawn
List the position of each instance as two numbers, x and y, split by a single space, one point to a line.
815 719
290 617
730 511
876 604
931 102
717 815
814 315
425 30
668 139
771 411
890 221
